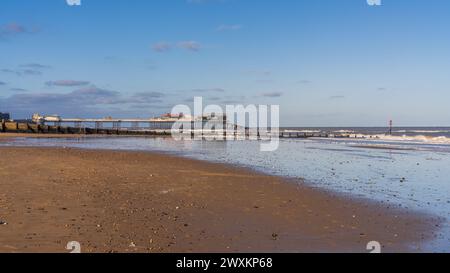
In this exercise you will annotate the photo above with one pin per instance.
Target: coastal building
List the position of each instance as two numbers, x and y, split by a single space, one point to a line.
5 116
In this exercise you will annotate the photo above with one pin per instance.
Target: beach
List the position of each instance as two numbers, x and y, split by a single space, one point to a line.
139 201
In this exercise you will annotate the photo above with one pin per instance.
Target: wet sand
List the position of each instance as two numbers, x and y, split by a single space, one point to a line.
112 201
383 147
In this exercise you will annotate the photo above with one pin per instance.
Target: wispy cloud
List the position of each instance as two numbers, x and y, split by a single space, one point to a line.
21 72
8 71
90 101
190 45
337 97
228 27
31 69
18 90
35 66
92 96
146 98
207 90
272 94
89 96
161 47
30 72
222 100
13 29
67 83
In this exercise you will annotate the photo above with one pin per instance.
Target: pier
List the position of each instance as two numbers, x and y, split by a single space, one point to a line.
160 123
162 126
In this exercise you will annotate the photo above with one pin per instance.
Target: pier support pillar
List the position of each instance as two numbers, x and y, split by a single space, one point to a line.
117 125
98 125
135 125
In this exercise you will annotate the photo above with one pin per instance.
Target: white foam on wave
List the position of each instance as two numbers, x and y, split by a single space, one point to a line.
423 131
420 139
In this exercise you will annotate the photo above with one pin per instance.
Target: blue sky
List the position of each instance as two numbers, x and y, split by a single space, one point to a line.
325 62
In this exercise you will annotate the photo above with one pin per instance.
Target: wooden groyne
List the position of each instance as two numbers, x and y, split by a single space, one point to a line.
32 128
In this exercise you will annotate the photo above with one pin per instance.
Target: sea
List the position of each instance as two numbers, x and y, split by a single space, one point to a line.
409 168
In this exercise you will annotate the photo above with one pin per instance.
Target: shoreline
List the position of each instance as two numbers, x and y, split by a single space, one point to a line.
224 208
